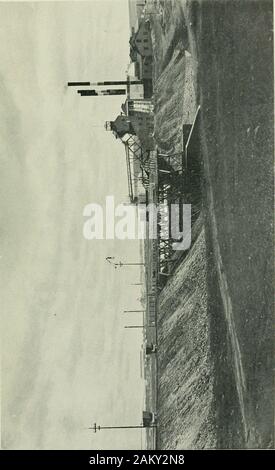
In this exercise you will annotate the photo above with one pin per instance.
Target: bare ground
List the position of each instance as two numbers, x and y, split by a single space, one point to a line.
216 333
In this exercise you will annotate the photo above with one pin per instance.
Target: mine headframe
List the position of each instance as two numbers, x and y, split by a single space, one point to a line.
136 150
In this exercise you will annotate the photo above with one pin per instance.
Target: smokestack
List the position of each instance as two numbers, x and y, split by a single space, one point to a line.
112 82
114 91
78 83
117 82
87 92
109 92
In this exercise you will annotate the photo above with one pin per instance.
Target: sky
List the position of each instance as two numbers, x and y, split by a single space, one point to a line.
67 361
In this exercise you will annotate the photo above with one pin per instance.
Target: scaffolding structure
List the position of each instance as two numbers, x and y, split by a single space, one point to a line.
135 153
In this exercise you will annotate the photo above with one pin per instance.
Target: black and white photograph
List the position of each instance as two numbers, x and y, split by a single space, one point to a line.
137 243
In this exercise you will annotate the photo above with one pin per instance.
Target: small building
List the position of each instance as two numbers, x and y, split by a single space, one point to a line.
121 126
147 419
140 41
134 122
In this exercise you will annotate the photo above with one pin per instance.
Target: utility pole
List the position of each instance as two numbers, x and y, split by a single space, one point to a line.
135 326
96 427
133 311
139 326
110 260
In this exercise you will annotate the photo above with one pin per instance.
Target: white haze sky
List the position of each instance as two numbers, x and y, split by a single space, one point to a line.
67 361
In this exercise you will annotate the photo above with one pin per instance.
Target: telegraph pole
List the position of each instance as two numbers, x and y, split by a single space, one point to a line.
110 260
96 427
133 311
135 326
139 326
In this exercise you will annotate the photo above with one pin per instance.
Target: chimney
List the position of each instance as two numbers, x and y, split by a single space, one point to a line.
108 92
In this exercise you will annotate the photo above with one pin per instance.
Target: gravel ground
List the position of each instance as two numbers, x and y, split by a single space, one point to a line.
235 89
186 379
232 75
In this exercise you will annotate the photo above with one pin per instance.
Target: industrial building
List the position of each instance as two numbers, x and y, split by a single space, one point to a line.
137 122
140 40
141 54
